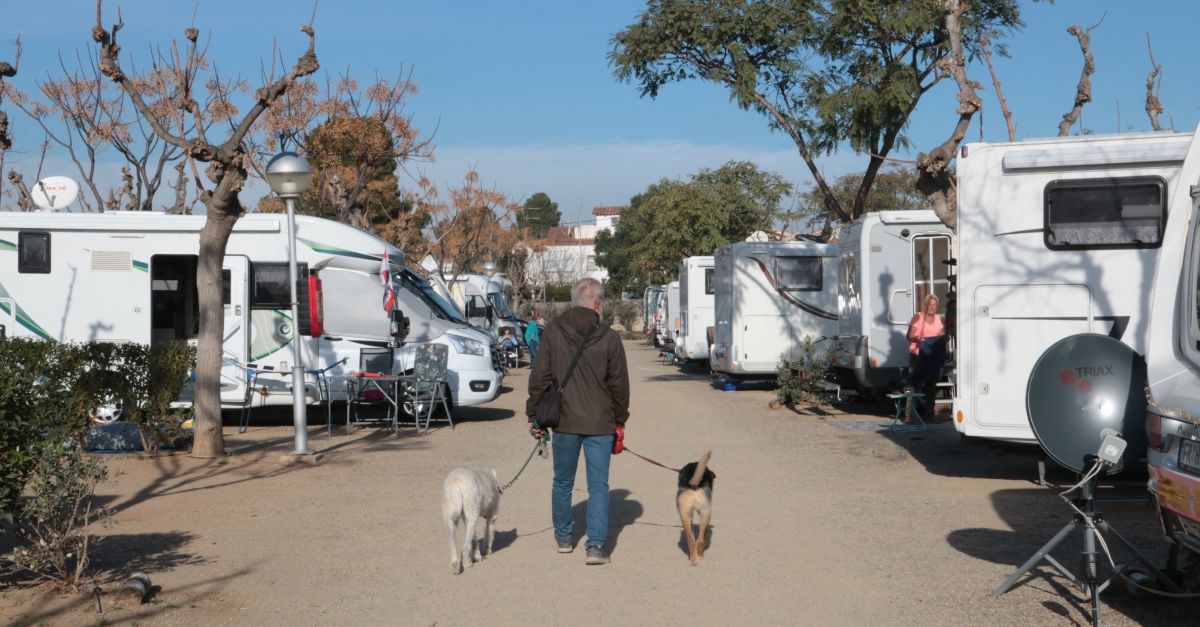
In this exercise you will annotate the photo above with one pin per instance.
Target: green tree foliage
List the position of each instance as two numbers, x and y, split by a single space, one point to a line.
826 72
540 213
672 220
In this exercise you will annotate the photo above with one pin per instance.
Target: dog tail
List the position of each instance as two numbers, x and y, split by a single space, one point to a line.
701 466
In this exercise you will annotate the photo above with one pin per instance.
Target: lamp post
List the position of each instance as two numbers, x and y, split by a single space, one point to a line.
289 175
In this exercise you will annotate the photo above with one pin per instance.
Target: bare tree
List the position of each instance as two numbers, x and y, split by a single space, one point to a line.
7 70
987 53
226 173
1083 91
1154 106
932 178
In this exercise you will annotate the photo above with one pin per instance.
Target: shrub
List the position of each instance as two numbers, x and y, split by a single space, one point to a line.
36 410
55 515
150 380
795 374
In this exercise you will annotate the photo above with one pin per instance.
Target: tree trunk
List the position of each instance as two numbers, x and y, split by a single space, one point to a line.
209 439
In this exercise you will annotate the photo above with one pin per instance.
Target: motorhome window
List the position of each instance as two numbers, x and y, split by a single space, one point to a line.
501 307
271 289
930 272
226 287
710 281
1105 213
801 274
33 252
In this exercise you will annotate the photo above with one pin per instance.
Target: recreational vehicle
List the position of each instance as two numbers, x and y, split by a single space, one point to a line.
650 308
485 302
1055 237
1173 356
131 276
660 316
888 261
697 289
770 297
669 329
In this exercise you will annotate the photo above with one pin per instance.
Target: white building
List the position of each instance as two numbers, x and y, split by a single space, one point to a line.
568 253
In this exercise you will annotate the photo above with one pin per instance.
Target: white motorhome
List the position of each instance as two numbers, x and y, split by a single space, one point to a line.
660 316
650 308
485 301
770 297
888 261
697 290
1173 357
131 276
671 324
1055 237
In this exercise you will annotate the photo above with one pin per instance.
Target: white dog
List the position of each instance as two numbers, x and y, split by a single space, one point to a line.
468 495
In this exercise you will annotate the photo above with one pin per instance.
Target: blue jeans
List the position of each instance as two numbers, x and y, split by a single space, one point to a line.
533 346
597 453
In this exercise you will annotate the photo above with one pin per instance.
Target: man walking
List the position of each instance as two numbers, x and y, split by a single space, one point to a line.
595 406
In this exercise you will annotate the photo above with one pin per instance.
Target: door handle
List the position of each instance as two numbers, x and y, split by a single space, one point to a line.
237 310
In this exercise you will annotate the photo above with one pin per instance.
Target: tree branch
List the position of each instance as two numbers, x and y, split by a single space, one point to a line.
266 95
1154 107
987 53
1083 92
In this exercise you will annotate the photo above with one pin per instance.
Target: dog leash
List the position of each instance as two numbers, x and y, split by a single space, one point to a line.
538 447
629 450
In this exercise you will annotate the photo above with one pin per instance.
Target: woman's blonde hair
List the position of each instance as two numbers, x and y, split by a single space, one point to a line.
925 301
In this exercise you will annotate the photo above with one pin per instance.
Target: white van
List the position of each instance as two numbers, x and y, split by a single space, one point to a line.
770 297
131 276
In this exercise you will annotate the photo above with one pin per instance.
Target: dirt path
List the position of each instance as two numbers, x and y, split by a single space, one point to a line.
817 520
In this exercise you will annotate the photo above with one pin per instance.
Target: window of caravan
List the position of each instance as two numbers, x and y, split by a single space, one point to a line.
710 281
798 274
271 289
33 252
1105 213
353 304
930 272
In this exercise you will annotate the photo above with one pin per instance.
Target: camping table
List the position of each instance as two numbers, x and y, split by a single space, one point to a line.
902 399
389 385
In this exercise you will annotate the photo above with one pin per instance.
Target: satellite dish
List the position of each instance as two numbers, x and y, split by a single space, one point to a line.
54 192
1082 385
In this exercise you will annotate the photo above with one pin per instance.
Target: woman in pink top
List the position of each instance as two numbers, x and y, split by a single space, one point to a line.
927 352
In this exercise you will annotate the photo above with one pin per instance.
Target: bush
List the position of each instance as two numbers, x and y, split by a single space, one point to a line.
55 516
150 380
795 374
558 293
41 405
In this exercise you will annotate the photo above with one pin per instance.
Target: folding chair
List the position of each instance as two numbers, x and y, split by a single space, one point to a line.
427 387
371 361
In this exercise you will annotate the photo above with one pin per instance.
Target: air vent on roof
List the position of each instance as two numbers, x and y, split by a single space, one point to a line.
112 261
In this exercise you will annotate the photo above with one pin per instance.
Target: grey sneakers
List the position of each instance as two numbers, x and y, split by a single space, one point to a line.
596 556
564 545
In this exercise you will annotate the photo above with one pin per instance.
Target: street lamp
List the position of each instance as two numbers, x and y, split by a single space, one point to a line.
289 175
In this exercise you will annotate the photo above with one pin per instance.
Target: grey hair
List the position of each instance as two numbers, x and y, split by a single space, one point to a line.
586 292
928 297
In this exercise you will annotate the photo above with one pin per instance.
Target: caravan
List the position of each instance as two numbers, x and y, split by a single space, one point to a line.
131 277
650 309
770 297
697 289
669 330
1055 237
888 261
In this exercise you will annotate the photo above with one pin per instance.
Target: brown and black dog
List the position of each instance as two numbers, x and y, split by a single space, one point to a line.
695 498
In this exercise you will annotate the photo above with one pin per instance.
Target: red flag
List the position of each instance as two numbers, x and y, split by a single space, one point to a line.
385 278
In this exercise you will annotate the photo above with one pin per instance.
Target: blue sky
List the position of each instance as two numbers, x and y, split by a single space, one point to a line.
522 91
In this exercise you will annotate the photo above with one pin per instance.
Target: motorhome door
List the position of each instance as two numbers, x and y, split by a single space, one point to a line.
236 296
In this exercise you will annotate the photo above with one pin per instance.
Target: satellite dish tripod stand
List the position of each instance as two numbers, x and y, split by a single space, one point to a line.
1092 523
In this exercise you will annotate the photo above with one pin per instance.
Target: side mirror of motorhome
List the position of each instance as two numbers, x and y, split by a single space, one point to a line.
398 327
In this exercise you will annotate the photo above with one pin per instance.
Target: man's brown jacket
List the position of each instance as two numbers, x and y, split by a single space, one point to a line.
596 398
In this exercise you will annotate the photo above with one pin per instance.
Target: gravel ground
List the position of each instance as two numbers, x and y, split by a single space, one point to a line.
820 517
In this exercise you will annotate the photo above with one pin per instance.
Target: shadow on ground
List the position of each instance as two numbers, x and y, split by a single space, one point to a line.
1034 515
622 512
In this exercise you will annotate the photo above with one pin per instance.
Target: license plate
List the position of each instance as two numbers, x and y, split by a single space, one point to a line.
1189 456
